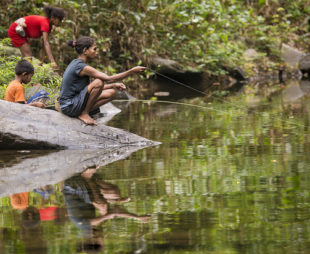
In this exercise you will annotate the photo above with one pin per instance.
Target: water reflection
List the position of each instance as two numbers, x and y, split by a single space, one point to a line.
30 170
229 180
84 195
27 233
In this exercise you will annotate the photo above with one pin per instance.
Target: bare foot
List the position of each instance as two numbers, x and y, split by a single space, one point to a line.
87 119
88 173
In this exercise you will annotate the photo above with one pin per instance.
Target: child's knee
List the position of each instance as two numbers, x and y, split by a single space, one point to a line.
113 93
98 83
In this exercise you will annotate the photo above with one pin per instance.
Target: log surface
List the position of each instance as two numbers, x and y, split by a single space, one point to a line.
26 127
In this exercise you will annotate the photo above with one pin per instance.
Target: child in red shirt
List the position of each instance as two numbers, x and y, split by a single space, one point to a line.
34 27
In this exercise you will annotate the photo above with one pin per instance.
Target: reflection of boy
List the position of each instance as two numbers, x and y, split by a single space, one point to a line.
15 91
30 214
19 201
31 217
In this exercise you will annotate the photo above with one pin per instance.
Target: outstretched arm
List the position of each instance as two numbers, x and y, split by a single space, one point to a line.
92 72
48 50
108 216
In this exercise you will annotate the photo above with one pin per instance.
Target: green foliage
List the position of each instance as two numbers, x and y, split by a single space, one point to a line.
43 74
207 35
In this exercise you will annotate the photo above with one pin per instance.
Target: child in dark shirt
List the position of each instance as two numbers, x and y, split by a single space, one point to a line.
79 96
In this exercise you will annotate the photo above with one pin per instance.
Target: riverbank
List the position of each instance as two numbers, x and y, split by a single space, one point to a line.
209 36
165 78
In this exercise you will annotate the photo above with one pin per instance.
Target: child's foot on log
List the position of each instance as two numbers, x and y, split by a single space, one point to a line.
87 119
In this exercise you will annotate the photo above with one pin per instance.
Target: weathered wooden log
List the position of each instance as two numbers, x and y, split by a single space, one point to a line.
31 172
27 127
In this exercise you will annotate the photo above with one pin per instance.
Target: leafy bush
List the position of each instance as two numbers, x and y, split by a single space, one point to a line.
43 74
204 34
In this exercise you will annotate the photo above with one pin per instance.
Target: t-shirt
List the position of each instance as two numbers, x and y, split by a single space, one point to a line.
36 25
72 84
20 200
15 92
48 213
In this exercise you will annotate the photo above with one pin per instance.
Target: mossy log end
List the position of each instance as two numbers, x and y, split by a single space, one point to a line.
27 127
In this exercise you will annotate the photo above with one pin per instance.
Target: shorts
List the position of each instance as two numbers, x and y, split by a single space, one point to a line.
16 39
76 105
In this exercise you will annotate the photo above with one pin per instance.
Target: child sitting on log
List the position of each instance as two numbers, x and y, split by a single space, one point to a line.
78 95
15 91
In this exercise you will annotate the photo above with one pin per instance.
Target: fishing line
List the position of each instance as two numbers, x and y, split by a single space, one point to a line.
219 99
175 81
203 93
177 103
194 89
198 106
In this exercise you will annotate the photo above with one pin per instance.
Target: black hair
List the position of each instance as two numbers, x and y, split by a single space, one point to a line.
55 12
31 218
82 43
23 66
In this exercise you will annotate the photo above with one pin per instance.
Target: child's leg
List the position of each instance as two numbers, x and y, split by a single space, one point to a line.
94 91
25 50
105 97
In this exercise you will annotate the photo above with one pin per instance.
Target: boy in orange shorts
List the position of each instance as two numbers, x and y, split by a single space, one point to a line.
15 91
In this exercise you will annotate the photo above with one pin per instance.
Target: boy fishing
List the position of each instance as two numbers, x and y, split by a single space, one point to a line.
78 94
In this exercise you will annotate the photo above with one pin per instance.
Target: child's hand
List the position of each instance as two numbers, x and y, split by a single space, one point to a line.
54 66
138 69
120 86
37 104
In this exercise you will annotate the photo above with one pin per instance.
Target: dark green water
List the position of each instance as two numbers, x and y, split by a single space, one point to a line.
229 177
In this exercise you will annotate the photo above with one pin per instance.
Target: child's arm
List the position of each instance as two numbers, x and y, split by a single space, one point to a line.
34 104
37 104
118 86
48 49
92 72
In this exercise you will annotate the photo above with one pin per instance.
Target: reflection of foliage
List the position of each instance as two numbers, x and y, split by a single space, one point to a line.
247 166
224 178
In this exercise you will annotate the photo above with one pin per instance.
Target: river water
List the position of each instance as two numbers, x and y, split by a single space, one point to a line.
232 175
